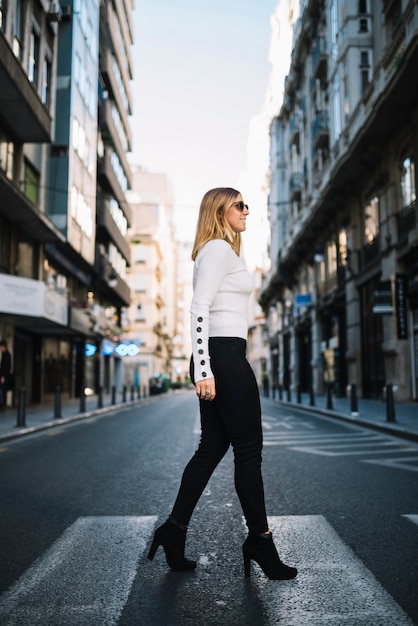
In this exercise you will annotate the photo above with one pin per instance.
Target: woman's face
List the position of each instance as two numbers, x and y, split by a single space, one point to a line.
236 215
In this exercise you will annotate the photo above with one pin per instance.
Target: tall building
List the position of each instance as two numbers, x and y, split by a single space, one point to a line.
63 179
342 295
153 277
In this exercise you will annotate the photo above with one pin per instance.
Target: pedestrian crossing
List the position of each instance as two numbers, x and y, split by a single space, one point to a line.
303 437
86 577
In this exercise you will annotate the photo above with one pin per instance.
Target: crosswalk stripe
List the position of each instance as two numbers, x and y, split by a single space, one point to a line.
84 578
409 463
412 518
333 586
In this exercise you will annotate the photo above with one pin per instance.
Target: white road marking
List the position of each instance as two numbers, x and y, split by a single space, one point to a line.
84 578
332 587
412 518
401 463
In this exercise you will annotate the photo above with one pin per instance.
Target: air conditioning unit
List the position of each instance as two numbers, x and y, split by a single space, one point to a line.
54 12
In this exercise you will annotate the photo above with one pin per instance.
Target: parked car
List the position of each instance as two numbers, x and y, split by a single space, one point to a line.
159 383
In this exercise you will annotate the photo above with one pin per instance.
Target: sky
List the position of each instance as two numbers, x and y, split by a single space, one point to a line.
201 72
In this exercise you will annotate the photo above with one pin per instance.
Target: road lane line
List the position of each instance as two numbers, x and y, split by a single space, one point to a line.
84 578
333 586
412 518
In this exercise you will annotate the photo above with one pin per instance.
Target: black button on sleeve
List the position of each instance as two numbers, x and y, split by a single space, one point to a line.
204 374
200 351
200 319
202 362
199 330
199 341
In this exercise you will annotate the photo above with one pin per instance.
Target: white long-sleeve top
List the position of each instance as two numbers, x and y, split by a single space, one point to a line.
219 308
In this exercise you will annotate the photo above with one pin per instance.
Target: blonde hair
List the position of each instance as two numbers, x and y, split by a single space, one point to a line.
211 223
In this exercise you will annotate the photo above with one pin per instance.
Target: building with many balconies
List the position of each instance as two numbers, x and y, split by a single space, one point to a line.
62 258
342 295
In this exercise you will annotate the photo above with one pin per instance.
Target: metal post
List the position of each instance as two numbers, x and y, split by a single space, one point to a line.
298 394
289 394
353 398
57 403
280 392
82 401
132 393
329 396
21 408
113 401
139 392
124 393
390 404
100 398
311 395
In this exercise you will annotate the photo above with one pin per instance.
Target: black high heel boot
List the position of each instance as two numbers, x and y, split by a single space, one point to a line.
172 537
261 549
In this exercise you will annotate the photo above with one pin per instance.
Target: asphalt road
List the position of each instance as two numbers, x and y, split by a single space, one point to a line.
78 506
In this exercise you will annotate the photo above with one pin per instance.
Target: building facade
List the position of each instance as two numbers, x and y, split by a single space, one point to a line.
341 296
63 216
152 313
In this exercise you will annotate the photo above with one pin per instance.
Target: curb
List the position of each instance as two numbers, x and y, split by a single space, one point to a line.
62 421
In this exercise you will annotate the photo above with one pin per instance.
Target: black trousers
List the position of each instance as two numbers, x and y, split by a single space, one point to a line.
232 418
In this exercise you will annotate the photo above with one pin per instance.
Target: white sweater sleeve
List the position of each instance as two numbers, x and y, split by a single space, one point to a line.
212 265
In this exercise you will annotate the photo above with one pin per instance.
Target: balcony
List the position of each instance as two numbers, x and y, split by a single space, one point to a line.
319 59
320 130
108 179
22 113
106 222
17 208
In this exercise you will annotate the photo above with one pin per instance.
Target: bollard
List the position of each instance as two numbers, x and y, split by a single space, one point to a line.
139 392
21 409
113 399
298 394
82 401
329 396
353 400
390 404
124 393
280 392
311 395
100 397
289 394
132 393
57 403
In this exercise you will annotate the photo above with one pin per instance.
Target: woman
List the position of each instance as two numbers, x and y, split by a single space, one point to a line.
225 385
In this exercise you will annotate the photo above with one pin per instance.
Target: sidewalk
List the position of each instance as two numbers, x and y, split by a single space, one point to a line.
371 413
41 417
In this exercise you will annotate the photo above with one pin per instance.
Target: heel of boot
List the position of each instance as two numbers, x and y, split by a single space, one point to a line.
153 549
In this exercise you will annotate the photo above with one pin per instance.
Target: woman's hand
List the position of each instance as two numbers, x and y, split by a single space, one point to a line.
205 389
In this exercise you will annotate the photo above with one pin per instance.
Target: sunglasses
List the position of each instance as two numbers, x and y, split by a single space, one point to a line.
241 206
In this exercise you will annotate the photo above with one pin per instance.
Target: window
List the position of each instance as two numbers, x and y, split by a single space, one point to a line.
17 28
31 183
363 25
46 82
371 219
362 7
408 189
337 106
140 283
3 13
34 46
365 70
